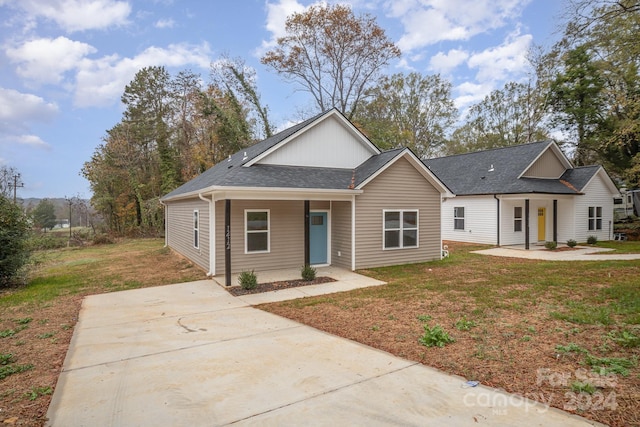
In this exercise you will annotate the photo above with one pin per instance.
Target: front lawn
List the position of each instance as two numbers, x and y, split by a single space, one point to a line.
563 333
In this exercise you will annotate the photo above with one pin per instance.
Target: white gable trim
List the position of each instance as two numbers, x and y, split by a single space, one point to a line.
359 136
559 154
607 181
420 167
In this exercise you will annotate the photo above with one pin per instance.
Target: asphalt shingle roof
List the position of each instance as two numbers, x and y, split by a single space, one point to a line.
232 173
496 172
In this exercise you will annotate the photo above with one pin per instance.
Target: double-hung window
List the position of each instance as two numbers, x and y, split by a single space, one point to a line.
595 217
256 231
400 229
517 218
196 229
458 218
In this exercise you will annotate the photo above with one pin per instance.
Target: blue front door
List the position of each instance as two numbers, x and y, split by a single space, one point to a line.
318 237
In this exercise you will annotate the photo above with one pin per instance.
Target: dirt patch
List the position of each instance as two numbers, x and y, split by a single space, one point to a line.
276 286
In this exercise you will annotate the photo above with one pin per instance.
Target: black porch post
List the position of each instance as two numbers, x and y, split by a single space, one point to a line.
555 221
526 223
307 255
227 242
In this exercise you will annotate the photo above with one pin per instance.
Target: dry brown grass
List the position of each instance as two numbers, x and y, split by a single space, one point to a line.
522 310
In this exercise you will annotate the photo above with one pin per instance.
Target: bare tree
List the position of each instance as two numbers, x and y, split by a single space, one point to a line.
332 54
7 180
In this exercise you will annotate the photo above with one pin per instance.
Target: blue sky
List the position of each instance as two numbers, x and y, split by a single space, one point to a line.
64 63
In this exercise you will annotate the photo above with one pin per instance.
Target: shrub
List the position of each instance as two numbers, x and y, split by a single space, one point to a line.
550 245
308 273
102 239
14 235
248 280
46 241
592 240
435 337
572 243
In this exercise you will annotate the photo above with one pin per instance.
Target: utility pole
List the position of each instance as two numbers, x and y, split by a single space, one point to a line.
70 201
15 187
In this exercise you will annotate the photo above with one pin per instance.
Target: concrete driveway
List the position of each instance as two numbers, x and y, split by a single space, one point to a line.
580 253
192 355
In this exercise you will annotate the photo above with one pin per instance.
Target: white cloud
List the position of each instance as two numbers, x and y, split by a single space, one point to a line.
471 93
31 140
18 111
46 60
79 15
277 14
165 23
444 63
101 82
504 61
17 108
427 22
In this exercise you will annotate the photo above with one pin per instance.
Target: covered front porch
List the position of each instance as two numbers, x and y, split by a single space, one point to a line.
530 220
275 230
345 280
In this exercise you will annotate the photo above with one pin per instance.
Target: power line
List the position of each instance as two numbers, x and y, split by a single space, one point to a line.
15 186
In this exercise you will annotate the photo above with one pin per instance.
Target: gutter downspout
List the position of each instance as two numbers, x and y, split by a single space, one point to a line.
353 233
166 224
498 219
211 235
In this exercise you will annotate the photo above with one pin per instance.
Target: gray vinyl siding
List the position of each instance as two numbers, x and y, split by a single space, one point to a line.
286 236
547 166
400 186
180 230
341 234
319 205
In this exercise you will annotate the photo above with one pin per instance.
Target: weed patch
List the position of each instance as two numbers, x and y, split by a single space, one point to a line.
36 392
464 324
435 337
611 365
625 338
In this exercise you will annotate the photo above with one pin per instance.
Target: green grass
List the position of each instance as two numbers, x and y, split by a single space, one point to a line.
621 247
97 269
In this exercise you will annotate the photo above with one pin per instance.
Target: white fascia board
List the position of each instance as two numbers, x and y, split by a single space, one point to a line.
531 196
359 135
269 193
420 167
559 154
256 193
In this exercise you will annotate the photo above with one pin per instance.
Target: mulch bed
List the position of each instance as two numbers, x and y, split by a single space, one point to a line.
276 286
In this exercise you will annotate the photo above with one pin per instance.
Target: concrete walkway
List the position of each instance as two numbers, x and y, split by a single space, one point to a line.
581 253
192 355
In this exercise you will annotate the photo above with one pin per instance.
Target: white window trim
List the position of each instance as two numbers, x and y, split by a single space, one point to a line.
247 232
196 228
464 222
401 229
594 218
521 219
